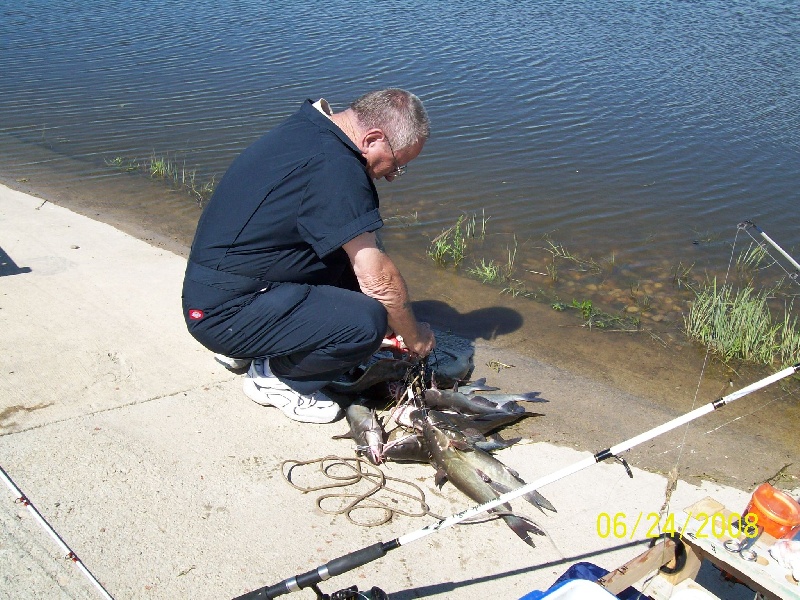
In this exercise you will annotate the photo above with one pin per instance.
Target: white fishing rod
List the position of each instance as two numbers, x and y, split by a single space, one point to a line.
68 553
366 555
749 224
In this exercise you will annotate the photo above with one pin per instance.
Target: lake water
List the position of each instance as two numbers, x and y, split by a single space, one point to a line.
633 136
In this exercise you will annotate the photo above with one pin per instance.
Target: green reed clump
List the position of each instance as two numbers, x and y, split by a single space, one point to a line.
177 176
487 272
122 164
738 324
789 350
682 277
451 244
560 256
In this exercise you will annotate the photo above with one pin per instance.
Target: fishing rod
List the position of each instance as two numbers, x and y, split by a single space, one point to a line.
750 225
366 555
22 499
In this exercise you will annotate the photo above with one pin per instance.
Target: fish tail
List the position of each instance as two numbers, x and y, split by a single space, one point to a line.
523 528
540 501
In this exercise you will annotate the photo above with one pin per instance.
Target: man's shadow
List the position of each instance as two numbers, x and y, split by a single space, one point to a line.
9 267
485 323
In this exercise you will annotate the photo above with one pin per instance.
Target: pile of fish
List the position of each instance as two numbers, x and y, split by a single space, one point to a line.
398 412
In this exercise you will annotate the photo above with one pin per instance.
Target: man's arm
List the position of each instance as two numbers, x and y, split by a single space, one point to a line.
379 278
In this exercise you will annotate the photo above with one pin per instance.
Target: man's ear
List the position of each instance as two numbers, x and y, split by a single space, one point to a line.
373 136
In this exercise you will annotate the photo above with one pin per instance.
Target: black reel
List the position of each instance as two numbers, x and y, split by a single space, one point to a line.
352 593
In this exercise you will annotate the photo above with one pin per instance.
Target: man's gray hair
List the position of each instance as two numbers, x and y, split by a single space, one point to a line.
398 113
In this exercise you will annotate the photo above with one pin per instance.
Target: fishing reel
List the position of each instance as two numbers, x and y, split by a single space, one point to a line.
352 593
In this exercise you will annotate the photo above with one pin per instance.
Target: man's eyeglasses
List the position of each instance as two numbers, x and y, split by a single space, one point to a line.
398 170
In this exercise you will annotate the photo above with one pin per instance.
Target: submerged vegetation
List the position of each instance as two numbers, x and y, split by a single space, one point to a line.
738 324
173 173
746 320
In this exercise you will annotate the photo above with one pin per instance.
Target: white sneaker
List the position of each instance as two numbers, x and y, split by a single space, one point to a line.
233 364
263 387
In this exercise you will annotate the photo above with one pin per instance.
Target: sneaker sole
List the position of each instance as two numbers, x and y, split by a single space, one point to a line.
252 392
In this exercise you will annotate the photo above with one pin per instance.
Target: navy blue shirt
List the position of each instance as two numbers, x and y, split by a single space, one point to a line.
288 203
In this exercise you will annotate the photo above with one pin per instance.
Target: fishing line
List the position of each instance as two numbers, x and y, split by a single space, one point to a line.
673 474
756 410
747 225
744 226
668 493
69 554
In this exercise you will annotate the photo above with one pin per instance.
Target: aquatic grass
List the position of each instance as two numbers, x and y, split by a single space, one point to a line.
704 237
640 299
459 249
452 242
592 317
552 271
681 277
469 226
789 337
752 257
121 164
404 220
516 288
178 177
487 272
484 220
438 250
491 272
585 308
159 167
508 269
734 324
559 252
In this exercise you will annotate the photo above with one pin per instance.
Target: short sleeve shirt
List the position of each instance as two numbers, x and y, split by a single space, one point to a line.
288 203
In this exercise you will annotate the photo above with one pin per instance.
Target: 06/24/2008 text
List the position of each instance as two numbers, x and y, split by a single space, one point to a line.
717 525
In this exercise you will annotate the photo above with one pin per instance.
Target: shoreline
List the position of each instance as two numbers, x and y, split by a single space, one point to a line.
655 383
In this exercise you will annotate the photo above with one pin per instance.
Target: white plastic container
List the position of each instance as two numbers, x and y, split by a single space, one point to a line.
579 589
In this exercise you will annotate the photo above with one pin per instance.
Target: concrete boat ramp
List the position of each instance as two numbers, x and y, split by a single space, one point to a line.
152 465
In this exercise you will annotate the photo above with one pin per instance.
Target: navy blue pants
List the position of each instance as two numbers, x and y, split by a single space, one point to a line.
311 334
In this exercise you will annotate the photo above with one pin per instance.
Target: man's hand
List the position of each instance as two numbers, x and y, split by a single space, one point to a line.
425 341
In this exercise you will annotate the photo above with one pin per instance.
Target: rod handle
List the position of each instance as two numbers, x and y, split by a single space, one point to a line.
351 561
337 566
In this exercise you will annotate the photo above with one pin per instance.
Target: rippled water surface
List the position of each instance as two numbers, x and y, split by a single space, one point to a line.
633 134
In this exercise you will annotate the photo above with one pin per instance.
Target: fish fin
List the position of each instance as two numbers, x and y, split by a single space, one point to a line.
524 528
343 436
476 386
509 407
488 445
462 445
512 408
473 434
440 478
497 486
483 476
540 501
496 443
534 497
531 397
